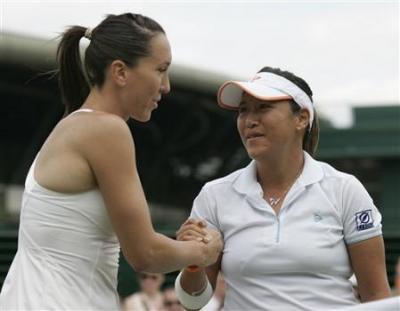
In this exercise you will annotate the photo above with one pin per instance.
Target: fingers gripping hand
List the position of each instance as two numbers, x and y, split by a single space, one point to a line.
193 229
215 246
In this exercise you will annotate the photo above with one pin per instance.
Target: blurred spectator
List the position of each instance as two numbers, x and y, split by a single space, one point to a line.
171 302
149 298
396 287
217 301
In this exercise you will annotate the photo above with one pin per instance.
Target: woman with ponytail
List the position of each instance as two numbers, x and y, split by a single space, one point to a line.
295 229
83 199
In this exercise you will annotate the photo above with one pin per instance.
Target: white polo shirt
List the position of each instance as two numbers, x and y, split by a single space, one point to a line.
296 260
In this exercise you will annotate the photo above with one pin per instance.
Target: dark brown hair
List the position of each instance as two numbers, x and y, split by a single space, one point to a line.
310 139
125 37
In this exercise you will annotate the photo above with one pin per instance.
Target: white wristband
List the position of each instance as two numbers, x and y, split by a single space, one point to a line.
192 302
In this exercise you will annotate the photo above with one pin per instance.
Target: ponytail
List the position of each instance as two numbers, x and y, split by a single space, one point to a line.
125 37
311 137
71 79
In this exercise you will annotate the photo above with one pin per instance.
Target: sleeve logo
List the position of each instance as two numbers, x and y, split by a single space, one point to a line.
364 220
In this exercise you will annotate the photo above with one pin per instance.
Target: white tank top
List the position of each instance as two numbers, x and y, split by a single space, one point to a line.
67 257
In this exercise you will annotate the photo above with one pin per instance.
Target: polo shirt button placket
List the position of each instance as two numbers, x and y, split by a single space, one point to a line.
278 228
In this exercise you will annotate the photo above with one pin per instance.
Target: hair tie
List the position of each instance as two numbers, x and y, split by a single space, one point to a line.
88 33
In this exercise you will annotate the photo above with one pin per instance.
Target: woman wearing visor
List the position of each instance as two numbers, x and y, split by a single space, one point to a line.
294 228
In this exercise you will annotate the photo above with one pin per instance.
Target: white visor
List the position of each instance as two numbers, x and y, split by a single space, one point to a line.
264 86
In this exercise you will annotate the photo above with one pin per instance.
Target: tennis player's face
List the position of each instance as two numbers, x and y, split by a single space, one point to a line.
266 127
149 80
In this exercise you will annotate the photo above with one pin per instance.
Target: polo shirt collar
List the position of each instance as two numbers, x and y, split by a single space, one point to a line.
246 182
312 171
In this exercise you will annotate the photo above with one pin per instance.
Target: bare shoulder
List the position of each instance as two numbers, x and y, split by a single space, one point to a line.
105 141
77 145
101 121
96 130
96 122
100 139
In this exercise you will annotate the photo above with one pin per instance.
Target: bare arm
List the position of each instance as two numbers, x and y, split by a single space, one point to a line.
195 281
368 261
111 155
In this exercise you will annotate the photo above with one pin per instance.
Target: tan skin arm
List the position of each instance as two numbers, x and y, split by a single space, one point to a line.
110 153
368 261
195 281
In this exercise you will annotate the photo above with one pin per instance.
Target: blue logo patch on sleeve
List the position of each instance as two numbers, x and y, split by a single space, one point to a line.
364 220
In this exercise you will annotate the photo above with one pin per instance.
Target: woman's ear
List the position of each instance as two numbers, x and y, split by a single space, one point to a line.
303 118
119 72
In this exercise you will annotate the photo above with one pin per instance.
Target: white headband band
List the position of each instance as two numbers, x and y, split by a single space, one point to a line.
288 87
266 86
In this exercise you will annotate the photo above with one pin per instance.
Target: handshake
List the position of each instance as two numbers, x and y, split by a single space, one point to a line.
210 240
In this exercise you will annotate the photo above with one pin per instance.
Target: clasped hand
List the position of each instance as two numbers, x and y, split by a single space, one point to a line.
196 230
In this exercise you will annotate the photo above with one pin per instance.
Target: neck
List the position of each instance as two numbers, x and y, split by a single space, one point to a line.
275 174
103 100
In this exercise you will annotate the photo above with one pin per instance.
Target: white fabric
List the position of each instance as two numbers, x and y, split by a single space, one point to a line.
388 304
298 259
213 305
265 86
67 256
192 302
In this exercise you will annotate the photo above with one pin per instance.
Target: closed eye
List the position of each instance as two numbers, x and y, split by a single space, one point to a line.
164 66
